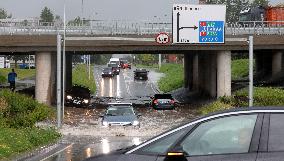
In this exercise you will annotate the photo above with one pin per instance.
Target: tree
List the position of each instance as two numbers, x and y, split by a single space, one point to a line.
46 15
263 3
78 21
4 14
17 58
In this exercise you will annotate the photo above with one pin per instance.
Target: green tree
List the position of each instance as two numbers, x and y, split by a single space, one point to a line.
78 21
17 58
46 15
4 14
263 3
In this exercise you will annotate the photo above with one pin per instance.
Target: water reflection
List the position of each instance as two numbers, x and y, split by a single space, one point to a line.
136 141
105 146
88 152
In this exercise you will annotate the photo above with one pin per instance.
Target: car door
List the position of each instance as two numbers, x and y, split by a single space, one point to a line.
230 138
272 138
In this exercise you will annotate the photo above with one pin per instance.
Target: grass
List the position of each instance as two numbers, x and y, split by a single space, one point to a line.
16 141
173 79
240 68
263 96
80 76
21 73
154 66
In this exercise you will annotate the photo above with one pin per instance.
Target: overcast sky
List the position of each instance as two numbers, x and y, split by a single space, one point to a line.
99 9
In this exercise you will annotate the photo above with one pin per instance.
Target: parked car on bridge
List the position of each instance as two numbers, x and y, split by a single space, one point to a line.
120 114
107 72
163 102
141 74
78 96
244 134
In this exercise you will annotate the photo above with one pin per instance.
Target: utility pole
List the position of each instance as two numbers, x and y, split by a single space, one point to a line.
59 81
250 71
160 61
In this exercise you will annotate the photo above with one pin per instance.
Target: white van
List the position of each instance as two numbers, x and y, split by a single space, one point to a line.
114 61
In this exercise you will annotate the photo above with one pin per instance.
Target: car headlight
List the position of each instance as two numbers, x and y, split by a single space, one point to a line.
135 123
69 97
109 73
86 101
105 123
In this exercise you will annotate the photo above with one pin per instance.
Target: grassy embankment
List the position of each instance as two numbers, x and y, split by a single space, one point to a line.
152 66
240 68
173 78
18 133
80 76
22 73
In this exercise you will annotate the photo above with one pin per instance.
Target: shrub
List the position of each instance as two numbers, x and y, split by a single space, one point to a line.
2 79
23 111
214 106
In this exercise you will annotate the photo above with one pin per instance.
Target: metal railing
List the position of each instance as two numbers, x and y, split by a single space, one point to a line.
137 28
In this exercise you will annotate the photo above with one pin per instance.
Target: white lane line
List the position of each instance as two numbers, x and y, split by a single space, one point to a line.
57 152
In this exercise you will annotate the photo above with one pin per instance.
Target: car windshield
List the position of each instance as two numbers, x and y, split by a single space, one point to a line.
112 65
119 111
107 70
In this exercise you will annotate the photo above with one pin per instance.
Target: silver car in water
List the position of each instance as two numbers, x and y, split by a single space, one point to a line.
120 115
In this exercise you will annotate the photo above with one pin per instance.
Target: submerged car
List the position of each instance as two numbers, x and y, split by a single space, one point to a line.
78 96
162 101
118 114
244 134
107 72
141 74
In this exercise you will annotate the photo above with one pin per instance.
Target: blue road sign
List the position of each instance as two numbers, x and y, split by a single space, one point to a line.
211 31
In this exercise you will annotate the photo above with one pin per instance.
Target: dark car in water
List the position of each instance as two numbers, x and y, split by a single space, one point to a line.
243 134
107 72
140 74
120 114
115 68
162 101
78 96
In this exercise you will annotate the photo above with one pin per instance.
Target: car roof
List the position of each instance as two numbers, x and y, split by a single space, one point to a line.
233 111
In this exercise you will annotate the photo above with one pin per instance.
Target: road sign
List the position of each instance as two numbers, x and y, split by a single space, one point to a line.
162 38
198 23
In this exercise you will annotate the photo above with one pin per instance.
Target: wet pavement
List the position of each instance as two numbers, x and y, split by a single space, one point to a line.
83 135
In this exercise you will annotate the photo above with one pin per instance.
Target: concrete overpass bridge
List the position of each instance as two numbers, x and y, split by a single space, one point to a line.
207 66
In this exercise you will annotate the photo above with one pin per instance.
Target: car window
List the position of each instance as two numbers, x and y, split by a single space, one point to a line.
113 111
276 133
221 136
161 146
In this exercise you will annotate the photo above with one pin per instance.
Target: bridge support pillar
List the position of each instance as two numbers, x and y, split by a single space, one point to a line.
43 89
195 73
68 72
276 63
186 64
207 74
224 73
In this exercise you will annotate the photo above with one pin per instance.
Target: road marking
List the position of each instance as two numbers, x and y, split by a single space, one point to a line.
57 152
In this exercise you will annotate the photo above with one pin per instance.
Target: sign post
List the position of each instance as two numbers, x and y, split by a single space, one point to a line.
198 23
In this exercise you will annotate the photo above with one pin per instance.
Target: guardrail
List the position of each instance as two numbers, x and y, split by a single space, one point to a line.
138 28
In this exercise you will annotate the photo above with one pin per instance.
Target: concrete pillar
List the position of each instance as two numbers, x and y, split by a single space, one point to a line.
53 77
195 72
68 71
185 65
43 77
224 73
276 63
263 64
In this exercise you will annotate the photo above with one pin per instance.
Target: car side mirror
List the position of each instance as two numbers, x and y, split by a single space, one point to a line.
101 115
138 115
176 154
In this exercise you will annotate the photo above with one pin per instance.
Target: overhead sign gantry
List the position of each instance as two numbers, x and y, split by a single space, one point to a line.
198 23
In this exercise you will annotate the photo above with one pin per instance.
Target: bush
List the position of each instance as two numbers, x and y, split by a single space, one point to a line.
2 79
263 96
173 79
14 141
22 111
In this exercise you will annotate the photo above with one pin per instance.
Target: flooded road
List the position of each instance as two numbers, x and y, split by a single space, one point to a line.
124 87
83 134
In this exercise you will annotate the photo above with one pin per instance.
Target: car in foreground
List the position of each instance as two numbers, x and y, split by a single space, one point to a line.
140 74
120 114
163 102
107 72
243 134
78 96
